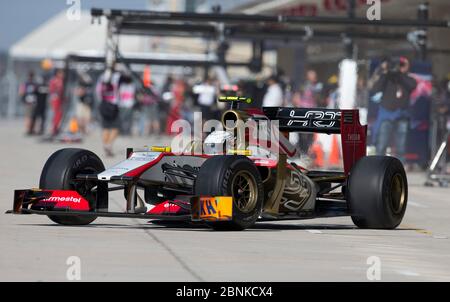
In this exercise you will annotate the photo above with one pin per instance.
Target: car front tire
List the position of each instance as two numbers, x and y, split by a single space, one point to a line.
236 176
58 173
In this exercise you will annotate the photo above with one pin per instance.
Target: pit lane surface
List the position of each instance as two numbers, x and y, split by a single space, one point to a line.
35 249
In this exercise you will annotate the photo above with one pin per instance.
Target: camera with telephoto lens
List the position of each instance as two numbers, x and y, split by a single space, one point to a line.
394 64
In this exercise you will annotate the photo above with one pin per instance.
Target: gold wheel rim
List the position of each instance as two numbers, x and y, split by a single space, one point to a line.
397 193
245 193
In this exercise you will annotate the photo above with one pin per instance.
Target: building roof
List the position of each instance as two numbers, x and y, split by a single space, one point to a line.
60 36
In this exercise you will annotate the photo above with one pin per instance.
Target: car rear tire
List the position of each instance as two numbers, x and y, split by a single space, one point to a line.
236 176
58 174
377 192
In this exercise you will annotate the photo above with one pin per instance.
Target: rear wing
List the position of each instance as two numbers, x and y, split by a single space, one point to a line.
329 121
306 119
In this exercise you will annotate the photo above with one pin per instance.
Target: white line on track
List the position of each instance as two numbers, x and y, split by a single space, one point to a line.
407 273
440 237
417 205
314 231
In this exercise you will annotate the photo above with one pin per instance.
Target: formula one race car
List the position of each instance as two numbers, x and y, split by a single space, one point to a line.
229 188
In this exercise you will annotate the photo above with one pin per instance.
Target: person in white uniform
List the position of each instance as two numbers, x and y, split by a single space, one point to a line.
207 93
274 93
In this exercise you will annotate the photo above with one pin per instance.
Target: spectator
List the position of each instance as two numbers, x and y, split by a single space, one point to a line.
56 90
109 111
166 99
85 102
149 111
206 97
40 110
362 94
441 114
126 93
189 107
179 93
362 99
395 86
310 96
274 94
311 90
28 94
442 109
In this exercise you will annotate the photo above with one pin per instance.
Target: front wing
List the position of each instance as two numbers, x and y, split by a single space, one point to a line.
68 203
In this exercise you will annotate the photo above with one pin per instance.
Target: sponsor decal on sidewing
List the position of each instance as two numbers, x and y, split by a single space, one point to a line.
65 200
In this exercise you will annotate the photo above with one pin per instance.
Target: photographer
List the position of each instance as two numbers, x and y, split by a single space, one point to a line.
394 87
441 109
441 114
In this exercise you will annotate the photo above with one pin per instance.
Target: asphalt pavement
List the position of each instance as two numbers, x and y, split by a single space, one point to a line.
35 249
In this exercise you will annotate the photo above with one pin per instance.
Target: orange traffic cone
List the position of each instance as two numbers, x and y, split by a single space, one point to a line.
334 158
147 76
73 126
317 152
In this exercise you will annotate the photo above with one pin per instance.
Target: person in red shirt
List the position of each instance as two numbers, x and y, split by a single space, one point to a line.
56 90
178 91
